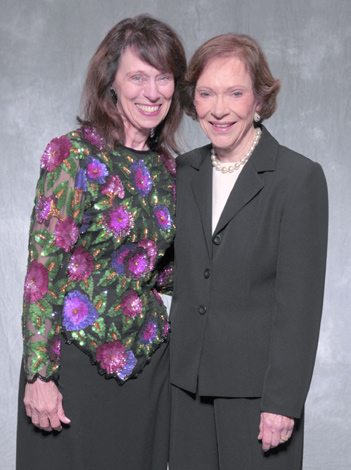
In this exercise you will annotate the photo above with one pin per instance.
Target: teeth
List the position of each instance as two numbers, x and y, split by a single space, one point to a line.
222 125
148 109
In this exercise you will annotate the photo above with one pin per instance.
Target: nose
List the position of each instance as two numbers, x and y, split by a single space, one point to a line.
151 90
220 108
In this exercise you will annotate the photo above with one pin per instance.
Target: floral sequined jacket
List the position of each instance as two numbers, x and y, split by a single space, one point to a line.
101 232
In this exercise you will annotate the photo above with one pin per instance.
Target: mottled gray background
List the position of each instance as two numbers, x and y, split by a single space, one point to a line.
45 46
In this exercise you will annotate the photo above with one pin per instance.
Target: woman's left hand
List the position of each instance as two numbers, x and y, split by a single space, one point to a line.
274 430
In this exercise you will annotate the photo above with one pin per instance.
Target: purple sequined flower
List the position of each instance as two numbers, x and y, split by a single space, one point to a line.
78 311
117 258
165 330
45 209
113 187
93 137
148 334
81 264
137 264
66 233
54 348
131 304
164 277
96 170
142 178
81 180
151 249
36 282
119 221
169 163
56 151
112 356
158 297
163 217
128 368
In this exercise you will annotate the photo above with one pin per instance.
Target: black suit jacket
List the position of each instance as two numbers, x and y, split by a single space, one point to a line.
247 299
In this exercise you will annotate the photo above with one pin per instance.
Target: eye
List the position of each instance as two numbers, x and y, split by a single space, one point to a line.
165 78
203 94
237 93
137 78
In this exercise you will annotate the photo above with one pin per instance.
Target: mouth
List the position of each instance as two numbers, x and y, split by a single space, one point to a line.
221 126
149 110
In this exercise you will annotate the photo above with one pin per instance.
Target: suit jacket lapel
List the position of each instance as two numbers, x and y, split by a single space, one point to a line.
202 189
249 182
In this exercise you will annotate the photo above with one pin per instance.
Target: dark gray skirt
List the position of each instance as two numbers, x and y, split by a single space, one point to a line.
112 426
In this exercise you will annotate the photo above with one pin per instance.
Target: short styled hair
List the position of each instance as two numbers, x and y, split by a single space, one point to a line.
265 86
157 44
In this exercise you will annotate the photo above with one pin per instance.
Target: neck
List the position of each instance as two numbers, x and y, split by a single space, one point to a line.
236 153
135 138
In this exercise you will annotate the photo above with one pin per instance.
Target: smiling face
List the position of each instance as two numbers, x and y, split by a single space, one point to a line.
144 96
225 106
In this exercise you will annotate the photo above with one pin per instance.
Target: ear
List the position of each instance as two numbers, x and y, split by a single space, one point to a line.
258 107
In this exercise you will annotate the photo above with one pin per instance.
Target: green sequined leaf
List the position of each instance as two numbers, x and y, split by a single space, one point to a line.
69 205
70 166
53 265
114 311
93 189
49 246
41 237
87 286
127 323
102 205
129 342
39 358
60 192
52 177
108 278
103 236
113 333
99 328
100 302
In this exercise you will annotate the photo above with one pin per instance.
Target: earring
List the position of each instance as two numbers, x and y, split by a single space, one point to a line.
257 117
113 95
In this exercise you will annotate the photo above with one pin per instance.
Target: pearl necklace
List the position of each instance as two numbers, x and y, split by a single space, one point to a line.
229 169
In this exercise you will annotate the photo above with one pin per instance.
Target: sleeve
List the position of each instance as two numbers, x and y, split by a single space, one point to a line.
299 295
54 230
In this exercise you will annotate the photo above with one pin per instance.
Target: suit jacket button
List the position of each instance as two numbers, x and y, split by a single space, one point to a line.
202 310
207 273
217 240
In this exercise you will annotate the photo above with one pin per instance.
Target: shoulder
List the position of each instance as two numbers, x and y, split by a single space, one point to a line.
289 163
193 157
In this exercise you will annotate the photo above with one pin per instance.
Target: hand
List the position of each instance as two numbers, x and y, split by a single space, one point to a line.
274 430
43 403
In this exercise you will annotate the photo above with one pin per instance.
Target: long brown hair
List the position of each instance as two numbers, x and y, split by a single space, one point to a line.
157 44
265 86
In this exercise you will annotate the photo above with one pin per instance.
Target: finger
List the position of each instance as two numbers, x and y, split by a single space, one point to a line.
35 419
44 423
53 417
266 440
275 441
61 414
55 423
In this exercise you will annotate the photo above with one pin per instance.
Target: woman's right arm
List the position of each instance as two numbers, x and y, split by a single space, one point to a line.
54 230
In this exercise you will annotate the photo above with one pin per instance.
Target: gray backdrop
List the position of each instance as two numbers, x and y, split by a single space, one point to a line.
45 48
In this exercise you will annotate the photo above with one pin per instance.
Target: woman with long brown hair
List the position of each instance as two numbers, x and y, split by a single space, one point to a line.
101 231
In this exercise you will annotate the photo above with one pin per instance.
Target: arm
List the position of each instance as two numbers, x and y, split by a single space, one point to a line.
53 233
299 299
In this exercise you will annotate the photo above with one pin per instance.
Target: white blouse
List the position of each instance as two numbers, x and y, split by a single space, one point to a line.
222 185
